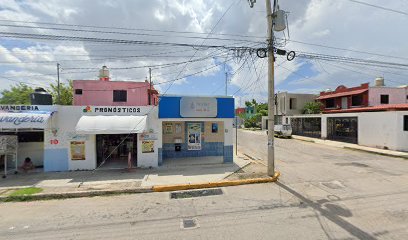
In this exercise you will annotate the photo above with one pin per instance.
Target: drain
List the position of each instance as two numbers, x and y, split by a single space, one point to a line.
196 193
189 223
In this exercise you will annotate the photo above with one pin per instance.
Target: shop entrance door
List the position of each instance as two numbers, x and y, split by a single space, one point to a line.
113 150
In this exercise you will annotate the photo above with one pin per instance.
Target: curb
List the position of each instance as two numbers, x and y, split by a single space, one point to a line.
160 188
49 196
167 188
375 152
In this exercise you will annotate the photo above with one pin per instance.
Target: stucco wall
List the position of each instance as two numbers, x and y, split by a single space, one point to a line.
396 95
100 93
283 101
376 129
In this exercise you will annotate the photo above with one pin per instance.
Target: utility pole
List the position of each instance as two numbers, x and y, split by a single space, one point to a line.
150 91
58 82
226 84
271 90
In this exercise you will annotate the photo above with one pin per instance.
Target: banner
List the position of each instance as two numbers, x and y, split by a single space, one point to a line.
194 136
77 150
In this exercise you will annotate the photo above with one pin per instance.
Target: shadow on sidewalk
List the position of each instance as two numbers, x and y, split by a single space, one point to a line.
332 212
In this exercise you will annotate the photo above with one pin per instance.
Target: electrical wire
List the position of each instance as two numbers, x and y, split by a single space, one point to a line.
380 7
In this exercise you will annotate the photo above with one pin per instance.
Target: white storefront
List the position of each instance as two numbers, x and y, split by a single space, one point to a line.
72 134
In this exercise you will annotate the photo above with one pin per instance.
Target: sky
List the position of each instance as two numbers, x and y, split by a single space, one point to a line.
341 28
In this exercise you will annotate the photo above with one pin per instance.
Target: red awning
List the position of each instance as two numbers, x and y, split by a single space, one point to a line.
342 94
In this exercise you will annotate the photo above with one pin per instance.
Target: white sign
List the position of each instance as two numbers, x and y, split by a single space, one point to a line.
198 107
23 120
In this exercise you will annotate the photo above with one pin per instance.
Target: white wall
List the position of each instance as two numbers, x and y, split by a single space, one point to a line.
228 130
33 150
145 160
377 129
396 95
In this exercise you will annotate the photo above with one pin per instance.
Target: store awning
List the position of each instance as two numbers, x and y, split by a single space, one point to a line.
18 120
111 124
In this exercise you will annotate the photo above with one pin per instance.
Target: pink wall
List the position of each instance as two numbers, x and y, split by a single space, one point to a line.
100 93
396 95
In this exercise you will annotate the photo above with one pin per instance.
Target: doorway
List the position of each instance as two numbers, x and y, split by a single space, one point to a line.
112 150
343 129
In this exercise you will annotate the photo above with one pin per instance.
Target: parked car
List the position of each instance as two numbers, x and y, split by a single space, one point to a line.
282 130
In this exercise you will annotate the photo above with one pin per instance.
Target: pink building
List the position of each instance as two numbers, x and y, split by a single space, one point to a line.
104 92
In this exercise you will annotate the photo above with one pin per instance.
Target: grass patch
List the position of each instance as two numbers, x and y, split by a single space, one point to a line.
25 191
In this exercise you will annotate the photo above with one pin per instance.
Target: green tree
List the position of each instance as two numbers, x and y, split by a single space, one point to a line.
312 108
66 91
19 94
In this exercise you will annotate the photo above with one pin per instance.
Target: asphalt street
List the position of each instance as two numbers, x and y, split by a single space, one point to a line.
324 193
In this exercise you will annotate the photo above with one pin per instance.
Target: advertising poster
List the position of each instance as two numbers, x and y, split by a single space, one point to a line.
194 136
147 146
77 150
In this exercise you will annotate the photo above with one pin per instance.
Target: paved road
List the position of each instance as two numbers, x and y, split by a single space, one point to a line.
324 193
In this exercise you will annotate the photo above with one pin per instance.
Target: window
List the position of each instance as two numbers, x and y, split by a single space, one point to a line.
292 103
384 99
405 122
356 100
330 103
78 91
119 95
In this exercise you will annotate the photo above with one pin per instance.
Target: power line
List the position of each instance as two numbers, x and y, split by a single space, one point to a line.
131 29
121 33
380 7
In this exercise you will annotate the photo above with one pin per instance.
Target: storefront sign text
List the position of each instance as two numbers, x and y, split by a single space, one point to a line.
19 108
112 109
22 119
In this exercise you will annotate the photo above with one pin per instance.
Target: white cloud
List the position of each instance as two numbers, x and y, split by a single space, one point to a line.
333 23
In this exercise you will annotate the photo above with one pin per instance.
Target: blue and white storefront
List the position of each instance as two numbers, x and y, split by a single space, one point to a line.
196 127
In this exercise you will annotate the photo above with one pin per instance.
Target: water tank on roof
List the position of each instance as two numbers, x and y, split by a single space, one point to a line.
40 97
104 74
379 82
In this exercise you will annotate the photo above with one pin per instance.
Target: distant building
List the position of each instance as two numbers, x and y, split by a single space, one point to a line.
288 104
239 111
113 93
345 99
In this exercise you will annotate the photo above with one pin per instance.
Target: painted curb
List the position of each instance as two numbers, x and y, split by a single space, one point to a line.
167 188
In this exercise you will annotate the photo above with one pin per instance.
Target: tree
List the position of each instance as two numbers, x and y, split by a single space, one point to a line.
19 94
66 91
312 108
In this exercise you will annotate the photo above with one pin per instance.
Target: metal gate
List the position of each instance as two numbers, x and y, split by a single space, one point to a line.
308 127
343 129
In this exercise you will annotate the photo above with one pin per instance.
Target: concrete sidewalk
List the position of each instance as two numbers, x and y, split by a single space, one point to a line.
385 152
133 180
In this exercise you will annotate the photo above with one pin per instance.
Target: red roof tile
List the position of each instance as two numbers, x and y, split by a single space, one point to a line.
341 94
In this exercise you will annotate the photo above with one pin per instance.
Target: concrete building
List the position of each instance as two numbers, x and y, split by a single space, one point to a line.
288 104
342 98
196 127
113 93
383 126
